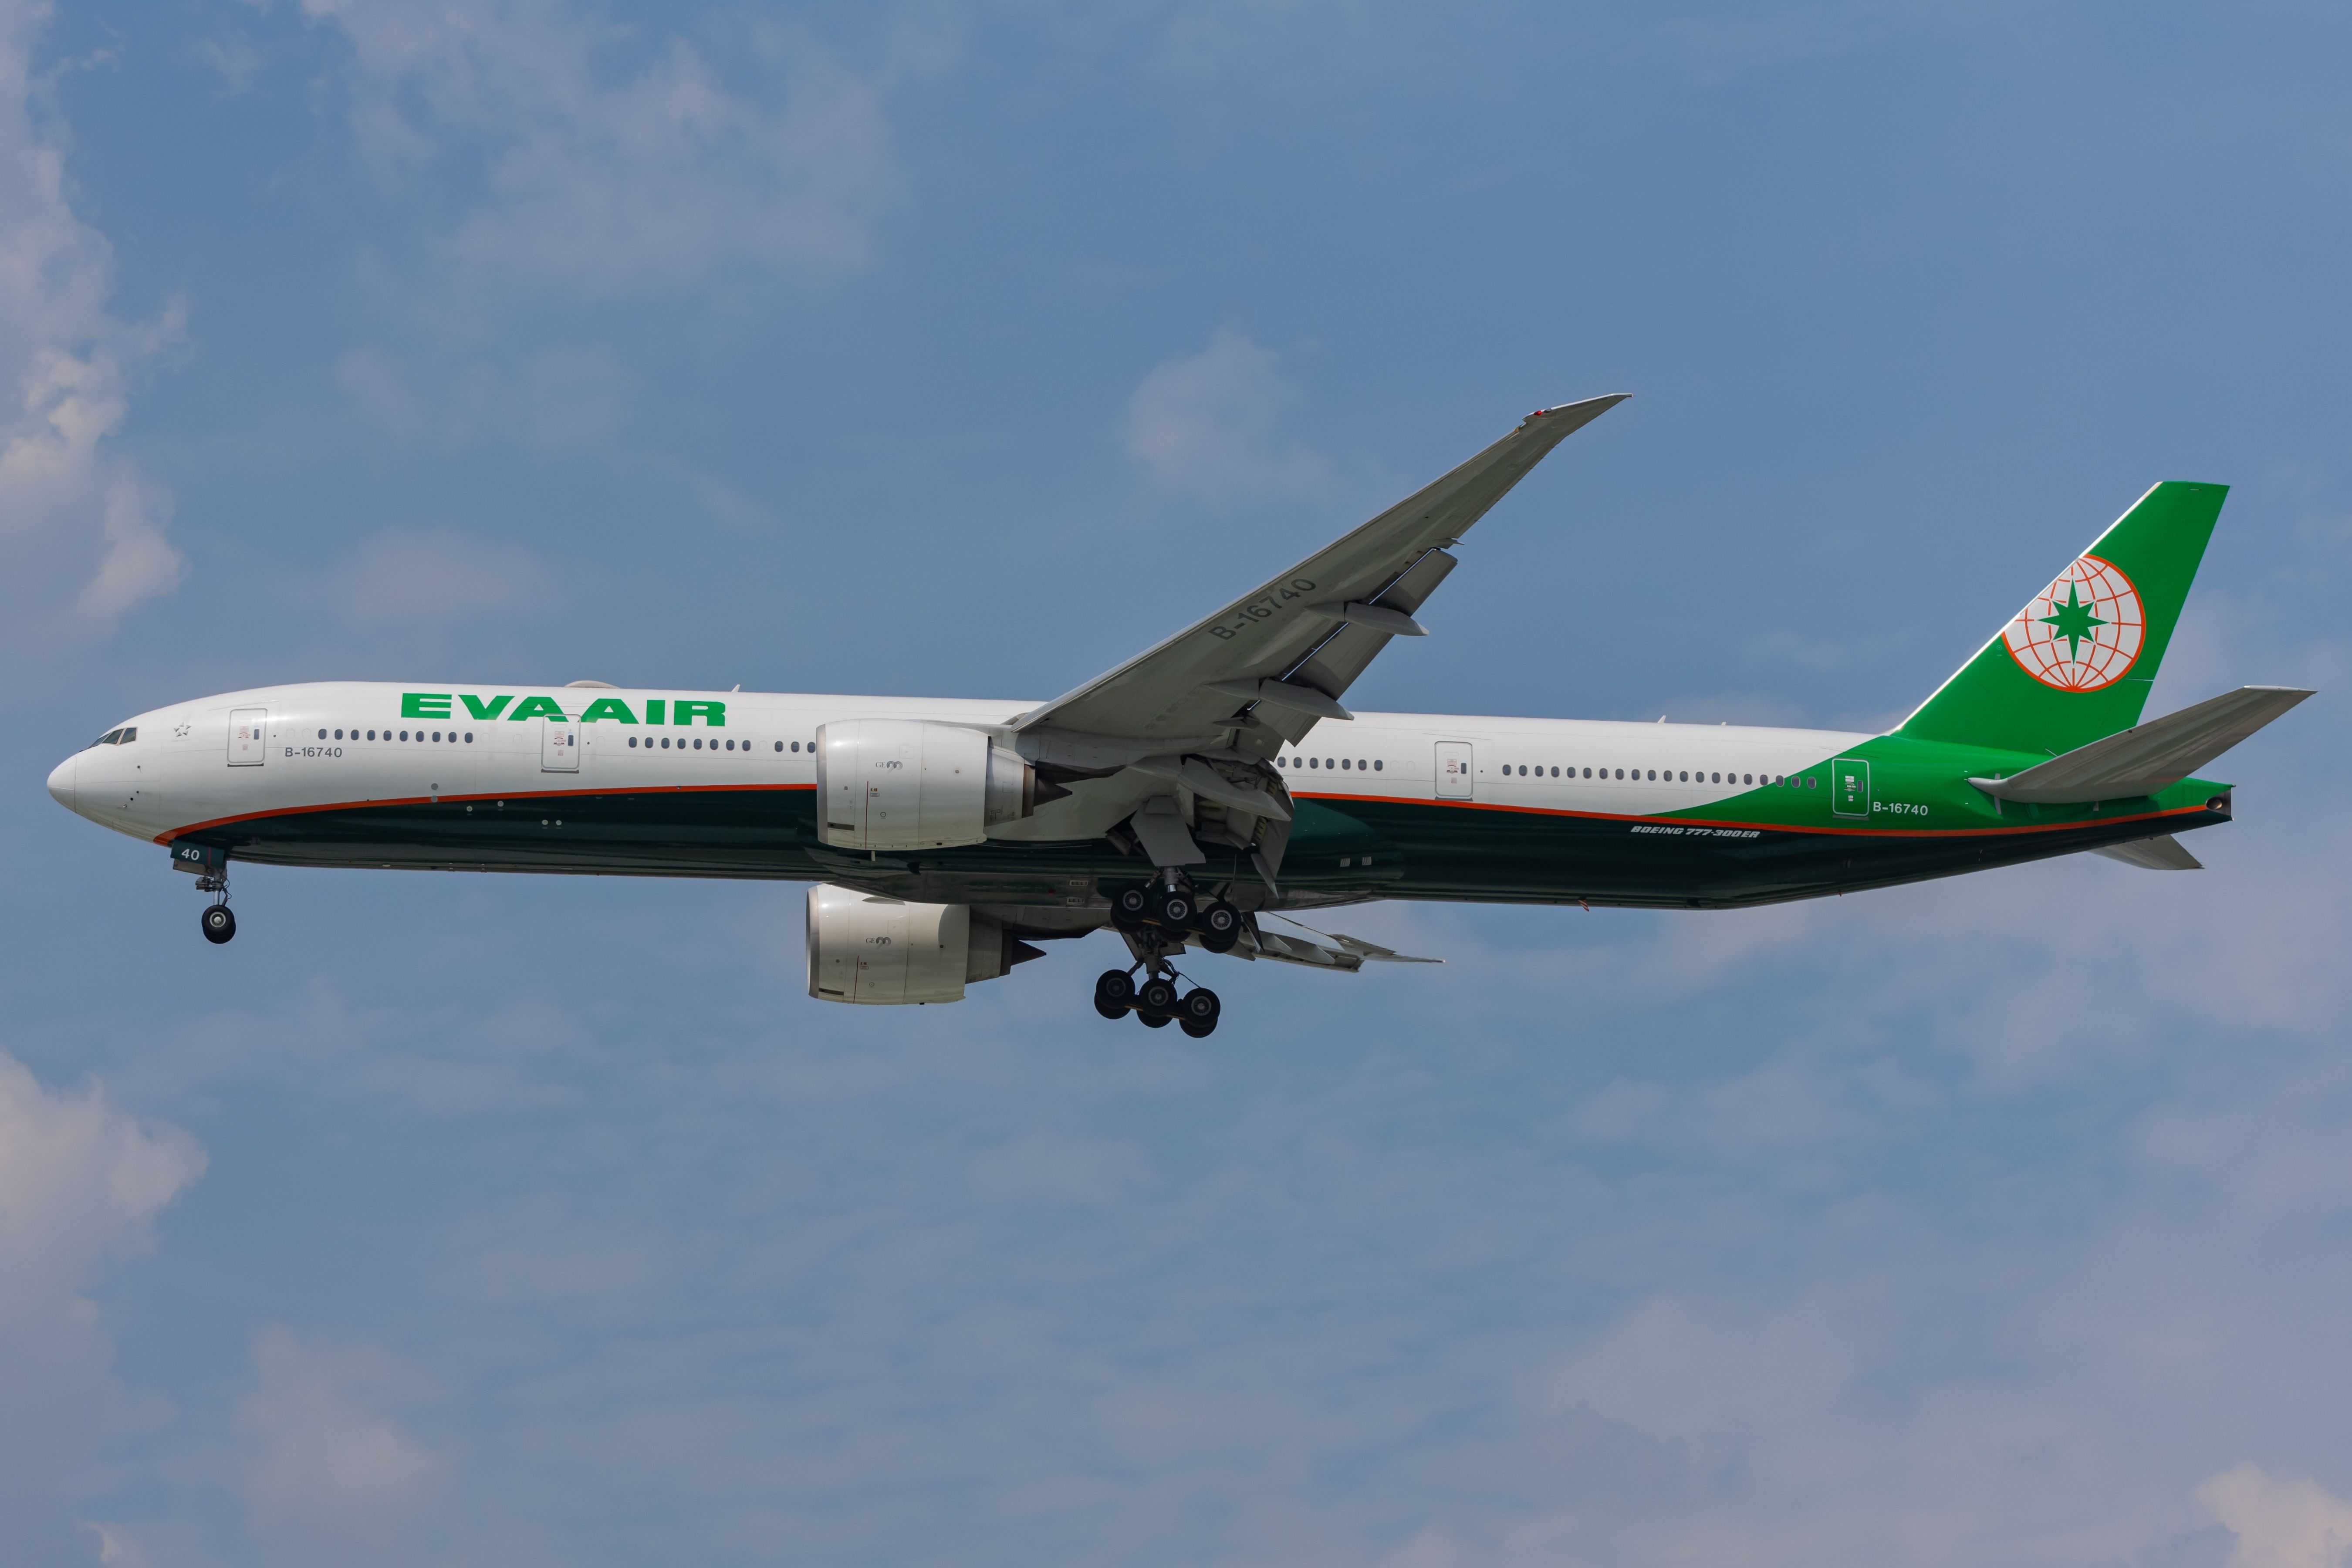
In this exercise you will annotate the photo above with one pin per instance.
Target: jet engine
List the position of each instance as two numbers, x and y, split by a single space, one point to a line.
882 950
899 784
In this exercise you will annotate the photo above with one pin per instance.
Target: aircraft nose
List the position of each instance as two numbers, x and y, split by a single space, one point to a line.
61 783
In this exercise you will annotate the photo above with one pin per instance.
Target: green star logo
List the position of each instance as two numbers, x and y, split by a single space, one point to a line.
2072 622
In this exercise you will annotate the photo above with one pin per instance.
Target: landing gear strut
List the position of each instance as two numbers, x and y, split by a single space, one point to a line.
1157 919
1142 908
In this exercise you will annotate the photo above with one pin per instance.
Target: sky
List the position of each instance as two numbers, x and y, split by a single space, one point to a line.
964 350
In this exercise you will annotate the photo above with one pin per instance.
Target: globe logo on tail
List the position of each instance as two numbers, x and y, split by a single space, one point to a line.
2081 633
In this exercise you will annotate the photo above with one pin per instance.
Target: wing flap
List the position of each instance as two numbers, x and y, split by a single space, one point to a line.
1318 950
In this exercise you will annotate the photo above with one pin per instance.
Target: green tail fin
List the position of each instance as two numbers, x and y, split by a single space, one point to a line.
2076 663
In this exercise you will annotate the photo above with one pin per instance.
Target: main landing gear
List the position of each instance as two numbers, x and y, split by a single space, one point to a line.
1156 919
1156 1001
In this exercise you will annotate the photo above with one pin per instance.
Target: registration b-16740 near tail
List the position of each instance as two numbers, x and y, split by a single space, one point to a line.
1195 795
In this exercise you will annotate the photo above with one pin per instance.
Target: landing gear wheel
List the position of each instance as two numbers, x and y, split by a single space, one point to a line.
1157 996
219 924
1113 992
1172 907
1130 907
1198 1031
1155 1020
1220 925
1200 1007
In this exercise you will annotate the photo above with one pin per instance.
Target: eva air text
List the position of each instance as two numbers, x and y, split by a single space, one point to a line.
659 709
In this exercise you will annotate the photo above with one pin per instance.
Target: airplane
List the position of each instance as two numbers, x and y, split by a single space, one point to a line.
1209 789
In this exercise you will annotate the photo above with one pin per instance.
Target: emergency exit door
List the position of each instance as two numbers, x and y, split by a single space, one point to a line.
1850 786
559 746
1456 778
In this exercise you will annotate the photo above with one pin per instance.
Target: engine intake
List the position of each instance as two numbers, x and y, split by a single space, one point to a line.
899 784
884 951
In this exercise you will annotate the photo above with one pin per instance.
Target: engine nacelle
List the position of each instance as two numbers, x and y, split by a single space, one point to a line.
882 950
902 783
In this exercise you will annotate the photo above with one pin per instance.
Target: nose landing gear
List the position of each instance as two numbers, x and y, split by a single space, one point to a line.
209 864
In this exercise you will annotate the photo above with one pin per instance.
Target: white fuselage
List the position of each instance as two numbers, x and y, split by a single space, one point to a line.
323 745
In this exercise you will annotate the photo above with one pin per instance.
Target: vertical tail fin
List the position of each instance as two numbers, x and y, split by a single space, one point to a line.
2076 663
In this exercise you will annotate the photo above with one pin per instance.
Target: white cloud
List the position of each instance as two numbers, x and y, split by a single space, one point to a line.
321 1454
1047 1167
81 531
400 580
1623 1110
565 398
375 385
117 1548
2280 1523
653 179
1207 423
80 1183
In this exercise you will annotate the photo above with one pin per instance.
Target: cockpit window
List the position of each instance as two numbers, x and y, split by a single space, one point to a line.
107 739
129 734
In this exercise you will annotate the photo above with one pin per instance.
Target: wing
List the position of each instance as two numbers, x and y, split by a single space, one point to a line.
1265 667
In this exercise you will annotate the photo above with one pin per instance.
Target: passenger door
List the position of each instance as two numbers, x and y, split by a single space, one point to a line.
559 746
248 737
1457 779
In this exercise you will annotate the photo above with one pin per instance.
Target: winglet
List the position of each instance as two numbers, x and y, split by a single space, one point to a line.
1599 406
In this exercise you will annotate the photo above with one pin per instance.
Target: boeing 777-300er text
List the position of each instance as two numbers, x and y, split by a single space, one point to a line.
1190 796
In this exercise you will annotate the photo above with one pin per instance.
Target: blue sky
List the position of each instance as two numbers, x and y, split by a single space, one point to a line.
964 350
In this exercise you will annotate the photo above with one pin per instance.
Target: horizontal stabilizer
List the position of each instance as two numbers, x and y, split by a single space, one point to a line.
2162 853
2147 758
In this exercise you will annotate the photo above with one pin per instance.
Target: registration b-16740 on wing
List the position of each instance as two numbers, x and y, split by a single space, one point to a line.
1199 795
